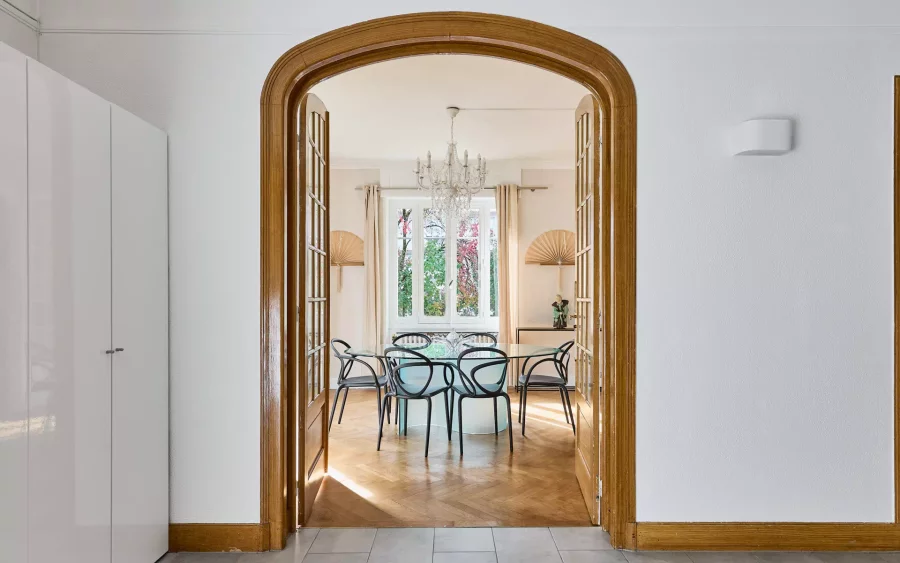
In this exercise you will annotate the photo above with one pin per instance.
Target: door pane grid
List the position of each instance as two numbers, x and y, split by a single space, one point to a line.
316 257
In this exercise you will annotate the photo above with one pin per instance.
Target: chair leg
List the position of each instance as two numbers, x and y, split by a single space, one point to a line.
562 398
459 414
428 428
406 417
496 422
524 406
334 407
389 403
520 406
509 420
571 414
381 423
449 416
380 402
452 400
343 404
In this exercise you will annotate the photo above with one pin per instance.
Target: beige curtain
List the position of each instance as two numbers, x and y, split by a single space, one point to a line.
374 319
507 200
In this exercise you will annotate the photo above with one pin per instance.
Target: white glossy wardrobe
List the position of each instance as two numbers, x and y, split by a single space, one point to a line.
83 324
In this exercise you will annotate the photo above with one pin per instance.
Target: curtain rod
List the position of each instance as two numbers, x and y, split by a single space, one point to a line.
532 188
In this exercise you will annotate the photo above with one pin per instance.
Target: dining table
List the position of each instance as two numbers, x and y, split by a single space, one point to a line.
479 415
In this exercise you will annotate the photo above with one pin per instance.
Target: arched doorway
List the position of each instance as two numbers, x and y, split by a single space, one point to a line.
462 33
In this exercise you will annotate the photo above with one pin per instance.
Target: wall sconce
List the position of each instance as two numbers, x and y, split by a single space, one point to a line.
762 137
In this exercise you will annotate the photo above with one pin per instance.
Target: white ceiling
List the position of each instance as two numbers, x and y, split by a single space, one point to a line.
395 110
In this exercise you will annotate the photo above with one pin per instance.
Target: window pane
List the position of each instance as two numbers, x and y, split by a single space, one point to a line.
493 265
404 223
404 277
404 262
467 265
434 268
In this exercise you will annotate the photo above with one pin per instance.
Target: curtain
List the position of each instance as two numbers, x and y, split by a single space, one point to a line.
374 314
507 201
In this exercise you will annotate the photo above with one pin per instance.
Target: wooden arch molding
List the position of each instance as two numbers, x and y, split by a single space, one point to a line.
503 37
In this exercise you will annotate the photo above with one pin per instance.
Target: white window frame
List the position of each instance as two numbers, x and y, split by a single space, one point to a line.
418 320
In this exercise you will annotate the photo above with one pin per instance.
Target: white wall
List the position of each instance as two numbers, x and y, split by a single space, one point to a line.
17 34
764 345
542 211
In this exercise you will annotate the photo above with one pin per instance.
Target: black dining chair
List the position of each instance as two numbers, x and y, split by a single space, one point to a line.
475 339
489 384
412 340
413 376
557 378
345 382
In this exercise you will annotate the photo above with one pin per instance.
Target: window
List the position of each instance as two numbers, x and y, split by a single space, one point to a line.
442 274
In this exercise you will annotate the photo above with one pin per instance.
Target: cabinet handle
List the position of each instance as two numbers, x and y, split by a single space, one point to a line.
110 351
120 349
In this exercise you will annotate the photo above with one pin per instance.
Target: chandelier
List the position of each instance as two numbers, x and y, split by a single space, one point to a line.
453 183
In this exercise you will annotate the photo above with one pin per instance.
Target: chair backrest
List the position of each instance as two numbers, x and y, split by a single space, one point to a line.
564 355
412 340
478 367
404 363
340 348
476 339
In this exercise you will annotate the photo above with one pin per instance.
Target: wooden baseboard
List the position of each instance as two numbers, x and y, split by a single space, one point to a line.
775 536
218 537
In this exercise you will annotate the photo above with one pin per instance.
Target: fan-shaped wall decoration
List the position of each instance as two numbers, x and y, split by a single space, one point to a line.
553 248
346 250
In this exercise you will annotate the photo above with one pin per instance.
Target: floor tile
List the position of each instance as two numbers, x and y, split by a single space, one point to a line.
588 538
219 557
786 557
602 556
301 541
336 558
722 557
528 557
890 556
529 540
849 557
343 540
466 557
463 539
402 545
657 557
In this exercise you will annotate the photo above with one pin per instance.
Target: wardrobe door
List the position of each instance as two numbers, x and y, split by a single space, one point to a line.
140 381
70 317
13 306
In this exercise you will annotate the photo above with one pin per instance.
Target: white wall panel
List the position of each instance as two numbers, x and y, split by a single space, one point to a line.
140 386
13 305
69 304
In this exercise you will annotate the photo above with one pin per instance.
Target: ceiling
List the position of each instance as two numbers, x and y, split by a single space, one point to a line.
396 110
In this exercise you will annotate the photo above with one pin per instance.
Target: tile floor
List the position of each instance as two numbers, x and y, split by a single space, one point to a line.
491 545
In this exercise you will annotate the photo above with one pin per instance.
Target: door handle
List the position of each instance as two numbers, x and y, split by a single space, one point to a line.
110 351
120 349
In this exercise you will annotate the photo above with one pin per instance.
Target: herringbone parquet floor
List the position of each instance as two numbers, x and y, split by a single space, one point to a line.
398 487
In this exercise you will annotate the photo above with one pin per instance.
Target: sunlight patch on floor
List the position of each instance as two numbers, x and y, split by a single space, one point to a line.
349 483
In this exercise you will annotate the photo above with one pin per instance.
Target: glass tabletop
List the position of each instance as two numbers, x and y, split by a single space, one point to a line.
444 351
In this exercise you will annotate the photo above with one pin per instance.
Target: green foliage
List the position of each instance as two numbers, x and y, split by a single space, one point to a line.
435 274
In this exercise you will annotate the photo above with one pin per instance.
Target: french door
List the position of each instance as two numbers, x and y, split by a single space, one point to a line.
590 267
308 282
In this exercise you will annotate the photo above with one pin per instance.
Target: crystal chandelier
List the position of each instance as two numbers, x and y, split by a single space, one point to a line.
453 183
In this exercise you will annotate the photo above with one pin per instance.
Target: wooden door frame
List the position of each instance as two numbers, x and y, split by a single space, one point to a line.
502 37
